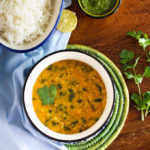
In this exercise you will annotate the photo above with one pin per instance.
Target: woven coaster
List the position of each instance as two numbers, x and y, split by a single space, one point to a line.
113 128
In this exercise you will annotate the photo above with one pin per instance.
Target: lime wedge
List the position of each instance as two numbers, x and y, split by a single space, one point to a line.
68 21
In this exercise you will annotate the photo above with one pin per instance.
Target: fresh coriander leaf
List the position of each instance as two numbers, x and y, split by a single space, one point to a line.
147 72
137 107
44 94
135 97
144 42
126 56
148 59
142 102
132 34
142 38
47 94
53 90
123 61
125 67
129 75
140 108
136 62
146 98
147 43
139 34
143 107
145 36
138 78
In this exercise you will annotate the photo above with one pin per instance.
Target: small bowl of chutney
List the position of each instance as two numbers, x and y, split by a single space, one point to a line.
99 8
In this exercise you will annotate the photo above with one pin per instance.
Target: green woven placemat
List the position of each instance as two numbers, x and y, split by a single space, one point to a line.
113 128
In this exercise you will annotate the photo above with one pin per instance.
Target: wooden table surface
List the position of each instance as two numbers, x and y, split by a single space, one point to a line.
108 35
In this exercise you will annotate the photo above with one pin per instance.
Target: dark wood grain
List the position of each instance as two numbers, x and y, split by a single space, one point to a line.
108 35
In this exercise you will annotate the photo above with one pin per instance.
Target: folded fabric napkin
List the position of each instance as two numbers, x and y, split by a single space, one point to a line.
16 131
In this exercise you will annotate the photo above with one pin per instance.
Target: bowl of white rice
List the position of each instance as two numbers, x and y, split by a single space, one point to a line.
26 24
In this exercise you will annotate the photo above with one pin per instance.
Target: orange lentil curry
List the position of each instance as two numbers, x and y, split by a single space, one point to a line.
80 97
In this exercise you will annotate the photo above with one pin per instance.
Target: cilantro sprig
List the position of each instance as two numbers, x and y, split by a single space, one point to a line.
47 94
143 40
129 64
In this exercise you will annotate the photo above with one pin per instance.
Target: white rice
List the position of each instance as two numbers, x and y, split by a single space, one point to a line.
22 21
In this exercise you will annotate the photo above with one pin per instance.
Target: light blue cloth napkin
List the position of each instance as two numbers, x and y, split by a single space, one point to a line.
16 131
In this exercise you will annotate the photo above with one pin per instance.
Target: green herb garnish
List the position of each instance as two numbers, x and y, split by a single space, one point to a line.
99 88
47 94
96 119
98 100
66 128
71 94
62 93
50 111
143 41
50 67
79 101
33 98
86 69
129 64
84 89
54 123
74 123
62 107
72 107
59 86
43 80
74 83
83 120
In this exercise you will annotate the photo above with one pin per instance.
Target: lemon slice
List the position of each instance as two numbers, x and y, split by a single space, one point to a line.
67 22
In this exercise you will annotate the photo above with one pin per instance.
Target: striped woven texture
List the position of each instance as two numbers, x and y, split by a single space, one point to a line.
103 139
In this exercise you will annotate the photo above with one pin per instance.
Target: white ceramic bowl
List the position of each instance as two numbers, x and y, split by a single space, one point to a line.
57 8
64 55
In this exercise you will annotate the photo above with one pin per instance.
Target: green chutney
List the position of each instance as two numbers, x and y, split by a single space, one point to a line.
98 7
